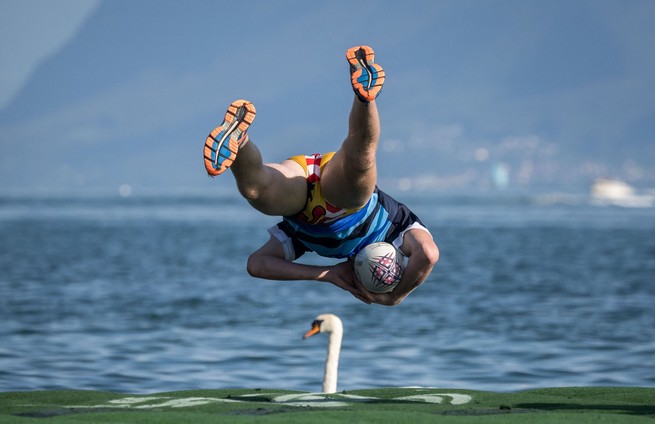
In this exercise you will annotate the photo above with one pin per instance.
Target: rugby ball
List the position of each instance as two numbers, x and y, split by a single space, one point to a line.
379 267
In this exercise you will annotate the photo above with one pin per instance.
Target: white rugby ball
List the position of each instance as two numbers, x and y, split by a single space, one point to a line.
379 267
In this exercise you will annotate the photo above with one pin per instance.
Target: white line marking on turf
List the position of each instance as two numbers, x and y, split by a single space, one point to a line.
309 399
457 399
129 401
322 400
184 403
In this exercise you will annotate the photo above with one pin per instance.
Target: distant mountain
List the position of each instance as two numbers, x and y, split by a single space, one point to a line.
133 95
555 93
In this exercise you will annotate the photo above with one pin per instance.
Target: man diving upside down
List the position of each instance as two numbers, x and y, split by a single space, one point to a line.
329 203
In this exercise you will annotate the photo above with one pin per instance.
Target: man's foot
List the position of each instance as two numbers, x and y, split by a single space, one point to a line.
223 142
366 76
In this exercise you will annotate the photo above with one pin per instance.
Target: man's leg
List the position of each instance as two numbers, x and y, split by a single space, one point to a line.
273 189
350 177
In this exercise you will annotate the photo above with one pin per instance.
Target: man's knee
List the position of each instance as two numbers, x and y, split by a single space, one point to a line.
252 193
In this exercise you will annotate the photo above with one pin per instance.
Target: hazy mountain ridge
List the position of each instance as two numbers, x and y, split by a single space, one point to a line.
470 88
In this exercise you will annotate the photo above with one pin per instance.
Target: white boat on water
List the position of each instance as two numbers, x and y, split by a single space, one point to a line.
618 193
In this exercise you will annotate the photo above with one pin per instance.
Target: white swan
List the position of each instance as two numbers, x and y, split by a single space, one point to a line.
328 323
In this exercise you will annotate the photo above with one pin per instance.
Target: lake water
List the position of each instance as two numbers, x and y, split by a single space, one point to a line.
149 293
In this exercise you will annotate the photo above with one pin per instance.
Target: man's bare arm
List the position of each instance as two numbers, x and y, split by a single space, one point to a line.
269 262
423 256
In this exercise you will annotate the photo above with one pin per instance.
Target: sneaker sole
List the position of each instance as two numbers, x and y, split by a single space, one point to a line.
367 77
222 144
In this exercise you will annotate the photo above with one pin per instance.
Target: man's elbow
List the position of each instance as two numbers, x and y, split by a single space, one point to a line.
255 266
426 258
433 255
428 254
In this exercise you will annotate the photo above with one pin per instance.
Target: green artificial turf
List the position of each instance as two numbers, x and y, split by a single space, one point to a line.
391 405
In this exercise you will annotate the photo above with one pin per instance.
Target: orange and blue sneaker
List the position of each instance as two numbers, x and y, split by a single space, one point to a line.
366 76
223 142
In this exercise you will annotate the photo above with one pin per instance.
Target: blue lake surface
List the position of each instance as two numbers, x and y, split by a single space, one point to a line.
150 293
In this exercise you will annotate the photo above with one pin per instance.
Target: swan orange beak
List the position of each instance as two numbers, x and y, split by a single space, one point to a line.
316 328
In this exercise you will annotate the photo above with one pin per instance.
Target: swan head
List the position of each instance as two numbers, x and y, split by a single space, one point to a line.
325 323
328 323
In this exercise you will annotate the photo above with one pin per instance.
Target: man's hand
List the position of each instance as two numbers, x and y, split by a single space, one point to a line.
343 276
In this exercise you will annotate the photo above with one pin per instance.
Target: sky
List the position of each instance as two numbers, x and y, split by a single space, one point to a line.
550 93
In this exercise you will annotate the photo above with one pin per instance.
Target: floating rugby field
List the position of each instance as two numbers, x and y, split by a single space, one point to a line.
395 405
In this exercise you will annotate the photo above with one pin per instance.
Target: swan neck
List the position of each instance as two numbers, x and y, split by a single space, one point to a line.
332 361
